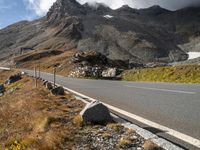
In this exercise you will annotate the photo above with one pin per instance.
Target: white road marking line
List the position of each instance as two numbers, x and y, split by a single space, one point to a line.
174 133
156 89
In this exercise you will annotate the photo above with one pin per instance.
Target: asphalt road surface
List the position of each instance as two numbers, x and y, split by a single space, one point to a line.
176 106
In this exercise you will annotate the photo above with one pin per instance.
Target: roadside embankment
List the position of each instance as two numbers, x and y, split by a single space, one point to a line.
177 74
37 118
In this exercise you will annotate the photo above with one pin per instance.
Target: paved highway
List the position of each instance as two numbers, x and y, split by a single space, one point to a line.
176 106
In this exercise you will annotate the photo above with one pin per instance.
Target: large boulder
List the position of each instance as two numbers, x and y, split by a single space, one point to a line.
58 91
96 113
13 78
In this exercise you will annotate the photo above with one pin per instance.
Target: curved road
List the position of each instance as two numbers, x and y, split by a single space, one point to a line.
176 106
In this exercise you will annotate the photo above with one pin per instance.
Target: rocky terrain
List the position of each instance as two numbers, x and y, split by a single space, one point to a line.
138 35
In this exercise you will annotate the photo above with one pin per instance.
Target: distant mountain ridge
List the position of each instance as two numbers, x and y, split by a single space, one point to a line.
140 35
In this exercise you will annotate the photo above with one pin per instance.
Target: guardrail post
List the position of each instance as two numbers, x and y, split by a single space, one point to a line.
54 77
35 75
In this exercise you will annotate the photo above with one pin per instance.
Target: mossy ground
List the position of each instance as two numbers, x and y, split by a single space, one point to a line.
176 74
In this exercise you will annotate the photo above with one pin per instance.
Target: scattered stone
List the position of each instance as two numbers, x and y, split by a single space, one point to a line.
49 86
96 113
13 78
110 72
95 65
58 91
101 137
2 88
1 94
87 71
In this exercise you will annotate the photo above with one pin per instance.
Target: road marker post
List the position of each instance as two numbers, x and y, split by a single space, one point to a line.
54 77
35 75
39 72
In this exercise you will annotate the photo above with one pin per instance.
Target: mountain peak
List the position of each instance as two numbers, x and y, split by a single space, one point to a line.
154 10
64 8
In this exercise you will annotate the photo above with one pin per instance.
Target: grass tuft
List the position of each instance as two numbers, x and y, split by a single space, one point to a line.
78 120
115 126
149 145
123 143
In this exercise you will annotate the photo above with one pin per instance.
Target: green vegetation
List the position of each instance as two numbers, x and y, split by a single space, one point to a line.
177 74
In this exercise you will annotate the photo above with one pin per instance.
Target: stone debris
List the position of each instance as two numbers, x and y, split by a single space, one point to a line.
58 91
86 71
95 65
106 138
110 72
96 113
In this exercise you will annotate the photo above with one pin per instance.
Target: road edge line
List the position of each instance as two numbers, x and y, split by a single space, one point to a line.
144 133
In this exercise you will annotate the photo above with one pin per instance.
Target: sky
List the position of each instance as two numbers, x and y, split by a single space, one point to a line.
12 11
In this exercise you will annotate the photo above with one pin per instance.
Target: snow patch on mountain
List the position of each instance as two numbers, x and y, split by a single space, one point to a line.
108 16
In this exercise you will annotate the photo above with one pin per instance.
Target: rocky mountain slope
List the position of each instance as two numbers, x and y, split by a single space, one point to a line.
138 35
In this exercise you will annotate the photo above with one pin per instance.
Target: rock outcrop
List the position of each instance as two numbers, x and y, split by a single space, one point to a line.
94 64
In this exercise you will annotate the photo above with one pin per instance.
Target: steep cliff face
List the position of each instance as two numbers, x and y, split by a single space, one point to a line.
145 35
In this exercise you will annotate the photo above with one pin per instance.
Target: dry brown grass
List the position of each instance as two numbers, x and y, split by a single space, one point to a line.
149 145
177 74
34 119
5 74
115 126
124 142
78 120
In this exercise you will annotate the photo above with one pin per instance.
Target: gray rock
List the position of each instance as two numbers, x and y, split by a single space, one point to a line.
2 88
110 72
96 113
58 91
49 86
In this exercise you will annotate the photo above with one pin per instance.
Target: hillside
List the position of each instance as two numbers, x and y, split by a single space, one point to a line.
175 74
139 35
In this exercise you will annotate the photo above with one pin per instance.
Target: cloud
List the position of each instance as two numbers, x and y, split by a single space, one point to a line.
168 4
41 7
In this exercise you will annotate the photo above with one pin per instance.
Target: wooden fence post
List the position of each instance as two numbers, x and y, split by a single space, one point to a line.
35 75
